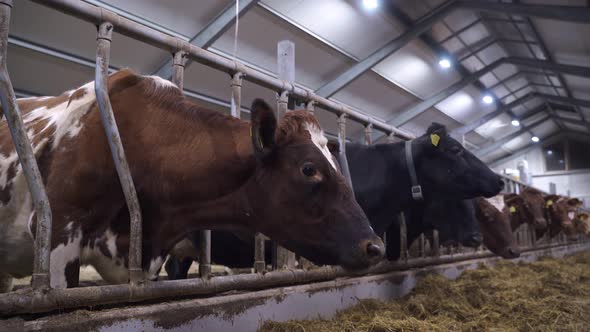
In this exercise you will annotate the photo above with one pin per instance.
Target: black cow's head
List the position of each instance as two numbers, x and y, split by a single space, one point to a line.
455 221
446 170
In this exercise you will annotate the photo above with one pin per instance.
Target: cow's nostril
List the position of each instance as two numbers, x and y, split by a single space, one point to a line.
374 251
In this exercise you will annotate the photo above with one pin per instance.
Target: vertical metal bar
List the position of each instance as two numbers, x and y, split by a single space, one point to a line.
178 64
435 244
403 241
236 95
282 104
103 48
310 106
368 134
259 263
205 259
286 67
390 138
342 150
40 278
422 245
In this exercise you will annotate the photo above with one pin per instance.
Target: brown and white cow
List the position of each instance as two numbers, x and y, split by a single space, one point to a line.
493 216
535 205
561 213
582 223
193 169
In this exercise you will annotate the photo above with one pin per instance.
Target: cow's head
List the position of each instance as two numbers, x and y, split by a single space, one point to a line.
560 215
300 198
582 223
535 202
520 212
455 221
496 230
446 170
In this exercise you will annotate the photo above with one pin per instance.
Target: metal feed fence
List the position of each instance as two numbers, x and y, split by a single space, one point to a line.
40 298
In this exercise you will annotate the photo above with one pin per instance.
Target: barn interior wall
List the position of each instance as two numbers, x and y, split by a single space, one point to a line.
577 182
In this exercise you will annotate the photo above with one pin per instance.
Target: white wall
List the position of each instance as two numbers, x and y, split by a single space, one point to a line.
577 182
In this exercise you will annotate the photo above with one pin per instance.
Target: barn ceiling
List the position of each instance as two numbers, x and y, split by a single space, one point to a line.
546 88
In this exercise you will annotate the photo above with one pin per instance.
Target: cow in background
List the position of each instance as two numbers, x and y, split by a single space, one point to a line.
493 216
561 213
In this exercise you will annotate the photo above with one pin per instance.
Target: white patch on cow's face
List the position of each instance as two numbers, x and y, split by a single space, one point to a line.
571 215
111 269
497 202
319 139
61 256
155 266
160 82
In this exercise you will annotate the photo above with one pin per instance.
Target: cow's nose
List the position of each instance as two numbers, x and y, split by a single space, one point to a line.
375 251
514 252
501 184
540 223
474 240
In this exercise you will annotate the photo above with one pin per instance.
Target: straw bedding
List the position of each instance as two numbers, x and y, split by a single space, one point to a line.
548 295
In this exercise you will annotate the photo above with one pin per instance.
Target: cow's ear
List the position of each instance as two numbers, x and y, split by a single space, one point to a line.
263 127
551 199
436 133
574 202
513 199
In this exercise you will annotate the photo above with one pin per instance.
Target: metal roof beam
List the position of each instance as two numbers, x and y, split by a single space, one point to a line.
426 104
212 31
527 148
498 143
562 13
487 117
419 27
567 13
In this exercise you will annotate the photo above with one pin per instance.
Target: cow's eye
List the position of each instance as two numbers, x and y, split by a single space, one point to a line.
308 169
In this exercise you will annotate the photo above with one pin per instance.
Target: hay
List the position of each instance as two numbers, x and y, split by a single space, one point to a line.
548 295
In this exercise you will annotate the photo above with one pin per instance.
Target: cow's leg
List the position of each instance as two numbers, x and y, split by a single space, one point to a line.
5 283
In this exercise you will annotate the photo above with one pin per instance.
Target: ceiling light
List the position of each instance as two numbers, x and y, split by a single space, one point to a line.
370 4
535 139
487 99
550 152
444 63
515 123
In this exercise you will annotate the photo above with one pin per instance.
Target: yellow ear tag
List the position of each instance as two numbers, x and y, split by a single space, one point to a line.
549 203
434 139
513 209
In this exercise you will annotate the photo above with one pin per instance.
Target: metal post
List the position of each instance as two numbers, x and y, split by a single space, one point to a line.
259 263
368 133
282 104
435 244
342 150
310 106
236 95
205 259
103 48
403 241
40 278
390 138
422 245
178 64
286 70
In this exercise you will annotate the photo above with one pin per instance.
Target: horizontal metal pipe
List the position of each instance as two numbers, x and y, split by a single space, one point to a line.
30 301
172 44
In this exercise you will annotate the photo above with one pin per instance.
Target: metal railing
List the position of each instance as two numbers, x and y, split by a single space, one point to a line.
40 298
